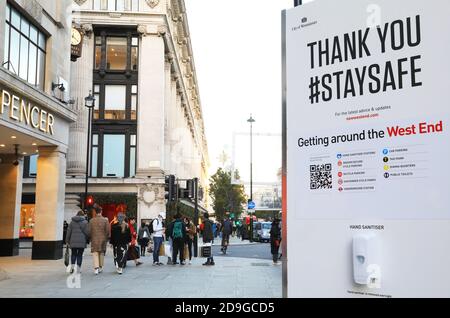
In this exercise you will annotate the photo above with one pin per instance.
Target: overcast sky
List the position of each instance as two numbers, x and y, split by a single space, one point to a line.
237 52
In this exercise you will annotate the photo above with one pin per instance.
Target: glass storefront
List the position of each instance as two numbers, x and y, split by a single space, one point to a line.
26 221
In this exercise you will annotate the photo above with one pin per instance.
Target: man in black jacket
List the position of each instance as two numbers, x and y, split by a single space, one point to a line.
208 236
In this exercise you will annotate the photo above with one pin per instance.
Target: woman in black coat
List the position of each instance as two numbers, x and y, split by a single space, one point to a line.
120 238
275 239
76 238
208 237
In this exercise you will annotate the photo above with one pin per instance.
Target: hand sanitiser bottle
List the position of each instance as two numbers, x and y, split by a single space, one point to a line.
366 260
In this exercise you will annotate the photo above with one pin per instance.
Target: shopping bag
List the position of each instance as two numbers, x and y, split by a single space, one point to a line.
168 250
205 250
162 250
67 256
186 252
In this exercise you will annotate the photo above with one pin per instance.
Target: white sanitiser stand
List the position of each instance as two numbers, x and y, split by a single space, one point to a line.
366 260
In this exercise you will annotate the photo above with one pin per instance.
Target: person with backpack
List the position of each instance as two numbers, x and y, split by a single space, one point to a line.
76 238
143 237
177 231
157 229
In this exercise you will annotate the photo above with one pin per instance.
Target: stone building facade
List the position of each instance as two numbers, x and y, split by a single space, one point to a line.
35 117
138 62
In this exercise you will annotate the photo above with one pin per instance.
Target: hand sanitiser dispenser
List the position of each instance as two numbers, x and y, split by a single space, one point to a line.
366 260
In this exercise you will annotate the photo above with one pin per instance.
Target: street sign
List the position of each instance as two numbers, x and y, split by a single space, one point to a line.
250 211
251 205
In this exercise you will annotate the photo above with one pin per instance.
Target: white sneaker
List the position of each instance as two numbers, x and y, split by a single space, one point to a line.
120 271
96 271
78 270
190 263
100 270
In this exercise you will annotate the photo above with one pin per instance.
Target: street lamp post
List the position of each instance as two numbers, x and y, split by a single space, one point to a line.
89 103
251 120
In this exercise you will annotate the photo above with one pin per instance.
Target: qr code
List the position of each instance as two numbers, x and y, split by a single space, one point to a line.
321 176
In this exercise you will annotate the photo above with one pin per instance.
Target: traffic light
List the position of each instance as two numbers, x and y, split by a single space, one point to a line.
190 189
89 201
171 188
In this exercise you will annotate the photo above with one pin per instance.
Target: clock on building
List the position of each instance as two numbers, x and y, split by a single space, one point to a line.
77 39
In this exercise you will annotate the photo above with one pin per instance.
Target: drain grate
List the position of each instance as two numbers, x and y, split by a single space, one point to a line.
260 264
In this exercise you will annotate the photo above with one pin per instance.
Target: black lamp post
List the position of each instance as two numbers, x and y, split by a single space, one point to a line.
251 120
89 103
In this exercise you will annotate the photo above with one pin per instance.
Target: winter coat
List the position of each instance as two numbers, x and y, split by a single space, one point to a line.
190 231
119 238
99 233
77 232
275 231
207 232
227 227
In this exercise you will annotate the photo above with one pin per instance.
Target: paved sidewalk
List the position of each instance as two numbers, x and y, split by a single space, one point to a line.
230 278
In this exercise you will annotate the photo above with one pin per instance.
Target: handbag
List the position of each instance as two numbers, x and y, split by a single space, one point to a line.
67 256
133 252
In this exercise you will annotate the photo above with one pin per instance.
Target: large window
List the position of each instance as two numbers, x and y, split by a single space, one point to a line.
115 102
113 155
116 5
30 166
25 48
116 53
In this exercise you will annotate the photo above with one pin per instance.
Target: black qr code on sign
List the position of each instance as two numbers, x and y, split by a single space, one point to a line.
321 176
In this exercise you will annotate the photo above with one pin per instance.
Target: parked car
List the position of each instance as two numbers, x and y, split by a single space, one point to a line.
264 235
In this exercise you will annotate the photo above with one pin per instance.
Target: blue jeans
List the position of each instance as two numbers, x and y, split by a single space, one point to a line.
157 241
77 256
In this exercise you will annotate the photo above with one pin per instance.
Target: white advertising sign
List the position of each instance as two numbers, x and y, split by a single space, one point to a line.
367 148
368 109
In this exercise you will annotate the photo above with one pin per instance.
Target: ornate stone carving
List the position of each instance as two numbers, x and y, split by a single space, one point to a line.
162 30
80 2
142 29
88 30
152 3
151 194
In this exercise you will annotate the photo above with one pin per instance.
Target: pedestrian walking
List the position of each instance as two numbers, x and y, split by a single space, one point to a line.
99 233
227 230
177 232
133 253
143 238
120 238
76 238
158 237
207 237
275 240
190 234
